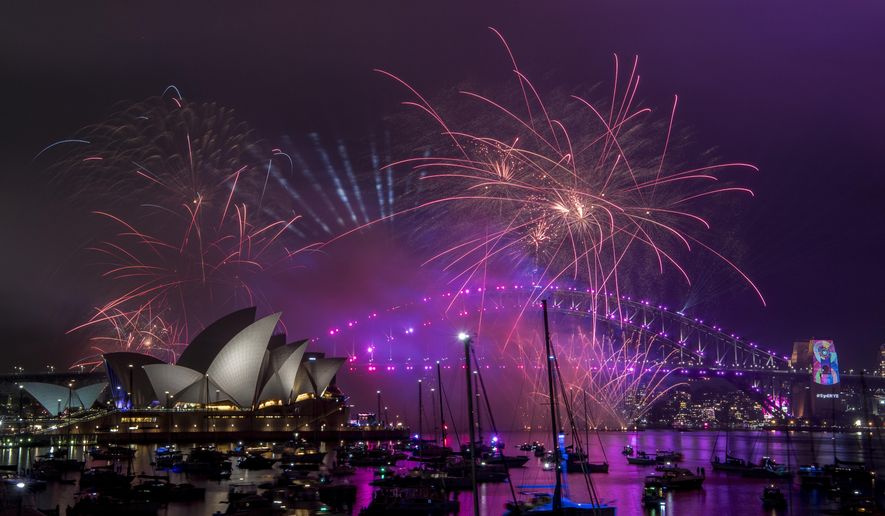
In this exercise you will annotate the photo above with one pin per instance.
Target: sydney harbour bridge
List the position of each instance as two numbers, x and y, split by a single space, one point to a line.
687 346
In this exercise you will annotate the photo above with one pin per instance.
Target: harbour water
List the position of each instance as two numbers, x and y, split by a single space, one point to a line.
722 493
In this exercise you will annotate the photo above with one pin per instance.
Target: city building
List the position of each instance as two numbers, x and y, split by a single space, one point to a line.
882 360
699 405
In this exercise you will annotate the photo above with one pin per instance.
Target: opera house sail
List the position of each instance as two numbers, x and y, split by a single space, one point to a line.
236 375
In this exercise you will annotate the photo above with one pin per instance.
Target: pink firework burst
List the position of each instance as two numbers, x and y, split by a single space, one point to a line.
192 227
584 191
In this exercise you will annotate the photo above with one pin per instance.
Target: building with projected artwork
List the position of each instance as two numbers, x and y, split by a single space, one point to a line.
820 398
237 376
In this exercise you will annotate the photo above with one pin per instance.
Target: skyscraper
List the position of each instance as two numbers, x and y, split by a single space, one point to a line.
882 360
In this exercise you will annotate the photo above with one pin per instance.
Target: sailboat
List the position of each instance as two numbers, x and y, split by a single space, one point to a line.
557 503
731 463
432 451
493 454
577 460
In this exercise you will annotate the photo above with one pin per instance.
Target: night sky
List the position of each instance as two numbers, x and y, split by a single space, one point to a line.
793 87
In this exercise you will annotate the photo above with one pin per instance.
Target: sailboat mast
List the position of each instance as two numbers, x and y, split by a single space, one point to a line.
442 417
420 416
727 429
470 421
554 423
479 435
586 425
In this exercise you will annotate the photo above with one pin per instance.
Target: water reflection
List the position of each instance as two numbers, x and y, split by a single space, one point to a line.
622 486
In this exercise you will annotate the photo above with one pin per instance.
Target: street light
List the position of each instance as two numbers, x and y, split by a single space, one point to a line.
131 387
378 413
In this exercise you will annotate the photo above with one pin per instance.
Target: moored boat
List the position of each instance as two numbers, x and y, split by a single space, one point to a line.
112 453
374 457
240 490
431 451
160 489
768 468
423 500
254 505
542 503
585 466
205 461
59 461
516 461
253 462
641 459
104 479
529 446
675 478
95 504
300 451
730 464
662 456
813 476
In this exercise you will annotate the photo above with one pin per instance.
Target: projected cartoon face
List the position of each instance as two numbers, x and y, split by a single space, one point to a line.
826 365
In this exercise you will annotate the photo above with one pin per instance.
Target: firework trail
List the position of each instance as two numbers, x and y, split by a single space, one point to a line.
193 225
337 186
624 376
583 191
625 372
138 331
622 379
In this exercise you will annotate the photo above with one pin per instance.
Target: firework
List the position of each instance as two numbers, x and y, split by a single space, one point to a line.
337 187
624 371
623 378
192 223
138 331
583 191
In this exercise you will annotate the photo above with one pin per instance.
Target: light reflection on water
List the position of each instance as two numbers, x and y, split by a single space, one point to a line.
622 486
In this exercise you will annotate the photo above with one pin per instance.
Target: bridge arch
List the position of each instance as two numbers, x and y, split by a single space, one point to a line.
695 343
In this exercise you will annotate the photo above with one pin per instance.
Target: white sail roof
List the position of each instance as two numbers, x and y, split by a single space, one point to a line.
209 342
315 375
170 378
324 369
282 368
203 390
237 367
58 398
89 394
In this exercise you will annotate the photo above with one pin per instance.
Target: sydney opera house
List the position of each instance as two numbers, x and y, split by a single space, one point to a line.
236 376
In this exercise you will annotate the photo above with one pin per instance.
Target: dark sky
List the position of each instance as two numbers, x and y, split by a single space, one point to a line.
793 87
